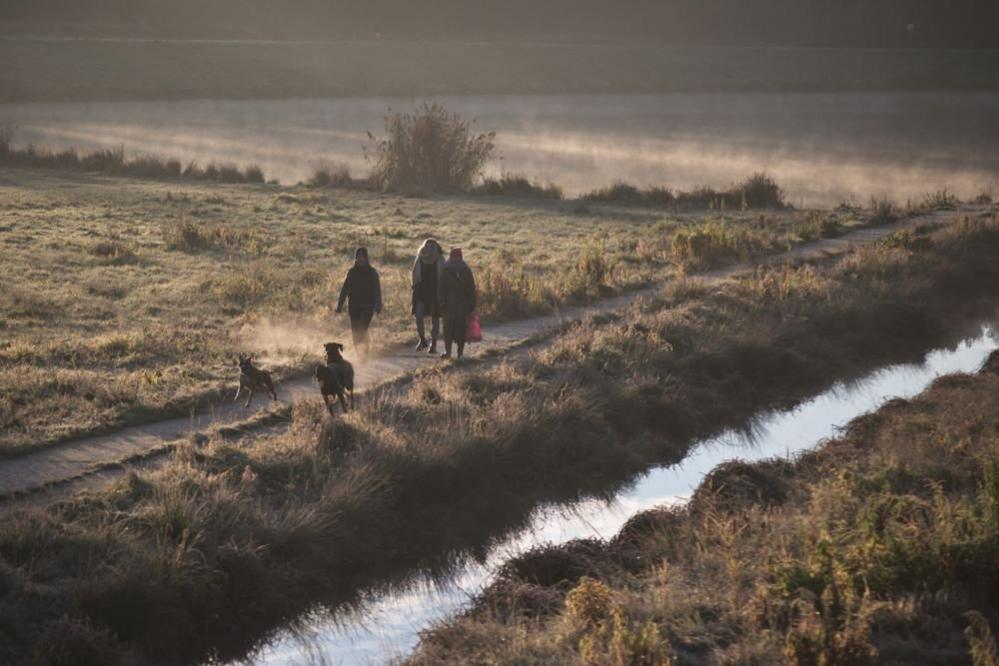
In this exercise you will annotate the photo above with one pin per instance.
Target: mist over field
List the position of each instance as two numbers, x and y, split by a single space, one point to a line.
824 149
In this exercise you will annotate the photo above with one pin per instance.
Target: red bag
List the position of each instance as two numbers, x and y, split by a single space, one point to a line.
473 332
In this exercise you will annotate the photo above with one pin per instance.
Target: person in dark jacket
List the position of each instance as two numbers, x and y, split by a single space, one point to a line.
457 299
427 269
363 293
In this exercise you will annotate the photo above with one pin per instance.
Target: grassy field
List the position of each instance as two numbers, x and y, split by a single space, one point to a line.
882 546
229 541
126 300
59 70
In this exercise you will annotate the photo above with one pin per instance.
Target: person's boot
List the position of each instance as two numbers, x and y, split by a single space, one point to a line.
447 350
461 349
421 345
433 346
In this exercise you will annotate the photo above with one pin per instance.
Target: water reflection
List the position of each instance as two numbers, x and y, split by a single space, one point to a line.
824 148
389 626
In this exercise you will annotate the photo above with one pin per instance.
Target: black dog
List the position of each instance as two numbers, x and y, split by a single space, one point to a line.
344 370
252 377
329 385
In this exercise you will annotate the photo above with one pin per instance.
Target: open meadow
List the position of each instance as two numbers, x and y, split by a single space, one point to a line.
127 300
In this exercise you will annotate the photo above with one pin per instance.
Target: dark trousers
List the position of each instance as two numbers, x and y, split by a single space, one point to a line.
360 321
455 329
422 312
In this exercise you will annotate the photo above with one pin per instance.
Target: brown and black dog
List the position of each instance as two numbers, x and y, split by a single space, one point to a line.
252 378
344 369
330 387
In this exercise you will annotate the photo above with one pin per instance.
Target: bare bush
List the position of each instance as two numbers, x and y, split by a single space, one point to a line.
430 150
331 175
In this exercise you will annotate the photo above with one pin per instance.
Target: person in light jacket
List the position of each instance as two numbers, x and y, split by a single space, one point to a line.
457 299
362 291
427 269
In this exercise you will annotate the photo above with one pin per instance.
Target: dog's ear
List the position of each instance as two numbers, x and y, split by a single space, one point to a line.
338 346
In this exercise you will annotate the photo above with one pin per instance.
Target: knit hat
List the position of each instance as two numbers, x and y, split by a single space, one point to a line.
455 253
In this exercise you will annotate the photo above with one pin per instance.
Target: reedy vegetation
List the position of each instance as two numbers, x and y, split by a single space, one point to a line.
114 162
227 541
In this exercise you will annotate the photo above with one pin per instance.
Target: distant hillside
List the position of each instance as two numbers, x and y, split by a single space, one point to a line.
957 24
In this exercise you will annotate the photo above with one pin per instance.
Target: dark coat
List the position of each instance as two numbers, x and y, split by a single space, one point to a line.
361 289
426 286
457 290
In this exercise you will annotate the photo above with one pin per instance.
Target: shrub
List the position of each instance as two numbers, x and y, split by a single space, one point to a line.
757 191
110 161
6 141
67 159
183 235
981 640
430 150
760 191
327 175
229 173
187 236
113 162
883 211
505 289
193 171
590 602
709 244
113 251
253 174
146 166
983 199
594 267
618 192
510 185
940 200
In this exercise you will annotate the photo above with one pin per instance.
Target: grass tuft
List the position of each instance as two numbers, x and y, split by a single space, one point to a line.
512 185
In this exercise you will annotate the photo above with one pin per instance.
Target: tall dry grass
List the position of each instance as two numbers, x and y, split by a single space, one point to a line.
758 191
115 162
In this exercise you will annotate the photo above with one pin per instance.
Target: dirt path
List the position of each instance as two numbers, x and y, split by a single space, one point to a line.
88 457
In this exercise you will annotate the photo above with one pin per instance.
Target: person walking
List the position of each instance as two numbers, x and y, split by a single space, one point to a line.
427 269
457 300
362 291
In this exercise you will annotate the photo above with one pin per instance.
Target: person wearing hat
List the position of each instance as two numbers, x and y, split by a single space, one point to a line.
362 292
457 300
427 269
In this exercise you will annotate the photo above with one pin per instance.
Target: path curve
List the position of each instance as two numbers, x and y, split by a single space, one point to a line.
77 458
